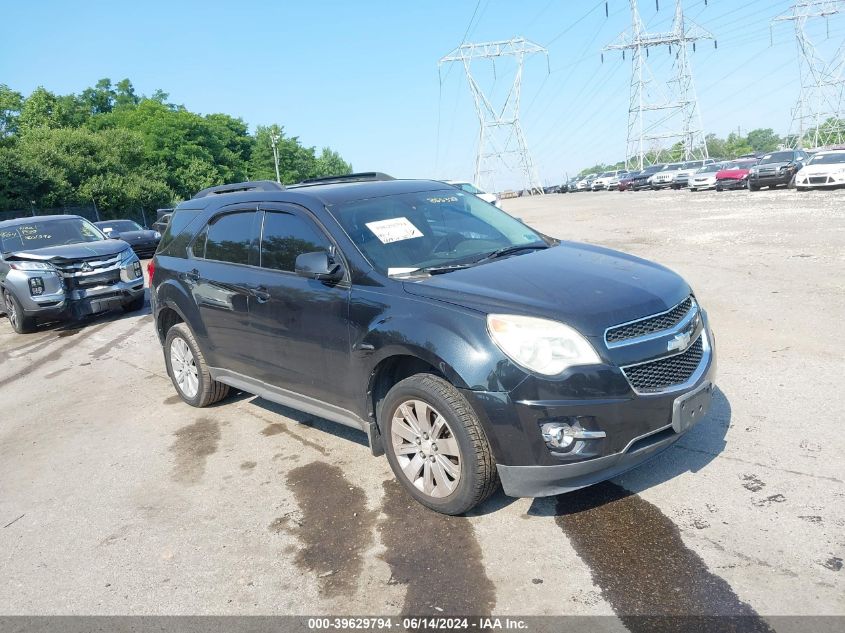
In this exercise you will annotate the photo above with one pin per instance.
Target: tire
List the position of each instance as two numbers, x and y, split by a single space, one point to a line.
455 427
20 323
133 306
753 187
207 391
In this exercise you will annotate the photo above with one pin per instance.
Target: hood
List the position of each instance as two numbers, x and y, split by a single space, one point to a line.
774 166
84 250
823 169
136 236
588 287
732 173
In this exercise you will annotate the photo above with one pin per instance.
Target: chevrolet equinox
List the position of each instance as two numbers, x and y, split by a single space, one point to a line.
469 347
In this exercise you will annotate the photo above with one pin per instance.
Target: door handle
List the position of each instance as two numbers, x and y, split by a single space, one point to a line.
191 275
260 293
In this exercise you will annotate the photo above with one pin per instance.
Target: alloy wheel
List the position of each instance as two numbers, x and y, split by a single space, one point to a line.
11 310
425 448
184 368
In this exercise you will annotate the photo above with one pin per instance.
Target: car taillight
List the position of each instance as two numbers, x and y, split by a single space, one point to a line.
151 269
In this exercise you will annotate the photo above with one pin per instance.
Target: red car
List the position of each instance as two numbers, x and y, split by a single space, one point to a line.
626 180
735 174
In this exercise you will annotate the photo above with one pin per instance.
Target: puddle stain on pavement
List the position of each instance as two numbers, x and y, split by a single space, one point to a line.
334 526
277 428
645 571
436 556
193 444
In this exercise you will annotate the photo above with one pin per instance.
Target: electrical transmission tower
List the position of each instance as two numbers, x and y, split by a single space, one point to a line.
662 113
500 137
818 116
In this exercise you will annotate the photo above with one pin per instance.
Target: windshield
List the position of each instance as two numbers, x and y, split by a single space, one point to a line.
709 169
672 166
44 233
692 164
121 226
406 232
777 157
607 174
828 159
742 164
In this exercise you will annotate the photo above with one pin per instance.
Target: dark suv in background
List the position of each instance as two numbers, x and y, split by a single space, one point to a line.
468 346
776 169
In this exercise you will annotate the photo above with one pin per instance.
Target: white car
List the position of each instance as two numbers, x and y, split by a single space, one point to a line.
665 176
704 178
492 198
607 179
824 170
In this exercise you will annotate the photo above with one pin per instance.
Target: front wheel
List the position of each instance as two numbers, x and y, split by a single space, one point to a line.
188 370
436 445
20 323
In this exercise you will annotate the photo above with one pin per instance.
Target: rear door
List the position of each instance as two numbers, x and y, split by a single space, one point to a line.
298 325
219 279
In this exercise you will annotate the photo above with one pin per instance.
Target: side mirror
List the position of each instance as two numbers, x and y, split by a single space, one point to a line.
318 265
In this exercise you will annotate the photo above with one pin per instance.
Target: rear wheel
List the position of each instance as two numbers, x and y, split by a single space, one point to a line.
188 370
20 323
436 446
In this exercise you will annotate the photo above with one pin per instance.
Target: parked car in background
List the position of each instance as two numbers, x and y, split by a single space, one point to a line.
572 185
143 241
663 179
613 181
59 267
492 198
627 180
162 218
776 169
603 182
642 179
705 177
586 183
681 179
825 170
470 348
734 174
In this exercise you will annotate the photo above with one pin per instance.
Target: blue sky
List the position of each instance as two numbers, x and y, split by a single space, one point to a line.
362 77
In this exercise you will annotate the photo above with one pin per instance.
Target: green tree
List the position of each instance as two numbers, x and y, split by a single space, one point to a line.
11 103
330 163
763 140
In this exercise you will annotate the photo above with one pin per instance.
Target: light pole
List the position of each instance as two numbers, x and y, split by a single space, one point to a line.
274 139
32 207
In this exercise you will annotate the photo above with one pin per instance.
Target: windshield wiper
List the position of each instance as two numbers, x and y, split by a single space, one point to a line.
439 270
510 250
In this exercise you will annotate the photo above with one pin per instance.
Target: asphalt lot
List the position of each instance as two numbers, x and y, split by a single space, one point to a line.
117 498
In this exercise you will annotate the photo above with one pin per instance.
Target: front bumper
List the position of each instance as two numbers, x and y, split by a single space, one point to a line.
79 302
771 179
637 427
730 184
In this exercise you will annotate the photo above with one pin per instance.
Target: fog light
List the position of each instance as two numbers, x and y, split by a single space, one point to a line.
560 435
36 286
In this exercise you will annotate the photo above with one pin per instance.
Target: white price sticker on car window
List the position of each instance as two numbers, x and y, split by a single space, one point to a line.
394 230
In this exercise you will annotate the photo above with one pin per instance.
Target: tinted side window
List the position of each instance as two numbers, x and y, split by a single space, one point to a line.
198 247
284 237
229 238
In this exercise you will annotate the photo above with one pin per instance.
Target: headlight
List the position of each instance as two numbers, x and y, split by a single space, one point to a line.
127 256
22 265
539 345
755 171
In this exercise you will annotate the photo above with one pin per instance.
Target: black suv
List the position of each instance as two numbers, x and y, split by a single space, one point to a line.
777 168
468 346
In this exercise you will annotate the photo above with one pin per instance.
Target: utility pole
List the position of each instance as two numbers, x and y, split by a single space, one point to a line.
500 136
667 111
818 116
275 136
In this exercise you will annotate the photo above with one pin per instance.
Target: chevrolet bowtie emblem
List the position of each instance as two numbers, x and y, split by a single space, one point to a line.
679 342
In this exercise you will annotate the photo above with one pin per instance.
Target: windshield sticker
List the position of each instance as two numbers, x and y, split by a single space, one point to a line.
394 230
442 200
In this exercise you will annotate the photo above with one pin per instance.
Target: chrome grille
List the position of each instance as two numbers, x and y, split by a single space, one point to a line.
651 324
87 266
665 372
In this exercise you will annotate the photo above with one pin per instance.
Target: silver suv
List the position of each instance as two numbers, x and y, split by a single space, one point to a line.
63 267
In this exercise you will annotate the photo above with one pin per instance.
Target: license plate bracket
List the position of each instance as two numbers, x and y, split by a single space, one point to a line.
691 407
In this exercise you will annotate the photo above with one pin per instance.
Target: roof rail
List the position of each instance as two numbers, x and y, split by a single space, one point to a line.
255 185
364 176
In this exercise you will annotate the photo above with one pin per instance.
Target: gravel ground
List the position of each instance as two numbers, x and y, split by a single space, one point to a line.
117 498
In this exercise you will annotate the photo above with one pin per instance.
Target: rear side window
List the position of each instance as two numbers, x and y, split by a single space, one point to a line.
285 236
229 238
179 219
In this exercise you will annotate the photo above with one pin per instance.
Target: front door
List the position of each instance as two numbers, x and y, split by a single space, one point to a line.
298 325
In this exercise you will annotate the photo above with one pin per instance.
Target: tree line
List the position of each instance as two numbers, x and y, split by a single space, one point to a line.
119 150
